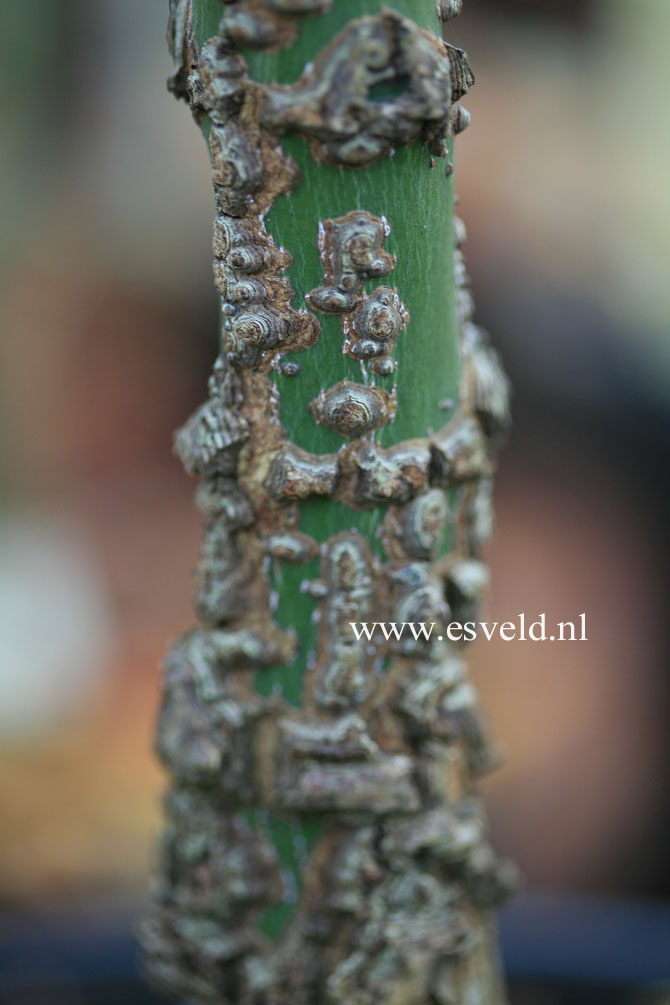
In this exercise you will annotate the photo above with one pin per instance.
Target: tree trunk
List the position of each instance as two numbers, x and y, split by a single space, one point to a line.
325 843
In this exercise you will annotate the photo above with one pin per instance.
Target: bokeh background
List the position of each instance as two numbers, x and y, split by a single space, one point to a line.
108 331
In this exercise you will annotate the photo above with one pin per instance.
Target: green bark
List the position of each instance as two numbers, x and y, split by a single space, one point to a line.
415 193
413 190
309 806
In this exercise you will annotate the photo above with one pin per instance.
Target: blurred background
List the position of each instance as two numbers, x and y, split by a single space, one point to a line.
108 331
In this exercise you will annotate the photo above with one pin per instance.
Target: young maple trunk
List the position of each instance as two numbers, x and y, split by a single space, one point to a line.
325 842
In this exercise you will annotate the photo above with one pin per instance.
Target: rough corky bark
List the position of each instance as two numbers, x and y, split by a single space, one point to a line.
325 842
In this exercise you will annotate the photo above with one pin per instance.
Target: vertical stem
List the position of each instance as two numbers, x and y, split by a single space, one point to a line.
325 842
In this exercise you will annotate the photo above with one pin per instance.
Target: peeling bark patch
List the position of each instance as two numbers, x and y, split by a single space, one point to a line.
297 474
462 77
181 45
351 250
353 410
391 902
344 673
448 9
267 24
414 531
341 105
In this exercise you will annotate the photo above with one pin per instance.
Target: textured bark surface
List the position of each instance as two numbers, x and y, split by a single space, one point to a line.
325 842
